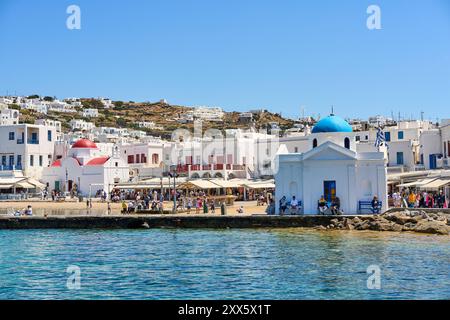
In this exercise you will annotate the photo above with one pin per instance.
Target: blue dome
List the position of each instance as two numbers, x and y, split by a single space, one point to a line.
332 123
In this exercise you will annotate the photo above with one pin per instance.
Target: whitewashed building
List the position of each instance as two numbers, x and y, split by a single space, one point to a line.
86 170
26 147
90 113
79 124
331 167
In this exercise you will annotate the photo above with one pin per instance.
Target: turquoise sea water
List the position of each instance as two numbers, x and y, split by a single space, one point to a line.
222 264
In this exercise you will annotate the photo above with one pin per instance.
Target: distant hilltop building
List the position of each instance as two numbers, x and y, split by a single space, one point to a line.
90 113
208 114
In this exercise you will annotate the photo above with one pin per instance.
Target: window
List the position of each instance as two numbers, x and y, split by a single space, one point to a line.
314 143
296 149
347 143
143 158
3 160
11 136
11 160
400 160
19 160
31 160
358 138
138 158
387 136
49 135
155 158
400 135
40 161
131 159
117 164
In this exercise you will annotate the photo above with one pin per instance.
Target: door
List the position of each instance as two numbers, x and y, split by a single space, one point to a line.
57 185
329 190
433 164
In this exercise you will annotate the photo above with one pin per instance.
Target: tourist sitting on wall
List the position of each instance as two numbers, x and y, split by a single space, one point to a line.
336 206
28 211
240 209
375 205
294 205
283 205
323 205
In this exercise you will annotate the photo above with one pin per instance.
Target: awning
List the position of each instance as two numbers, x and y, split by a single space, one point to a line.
6 186
36 183
417 183
25 185
260 185
199 184
436 184
234 183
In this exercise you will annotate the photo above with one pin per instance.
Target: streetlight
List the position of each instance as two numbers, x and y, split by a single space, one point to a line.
174 175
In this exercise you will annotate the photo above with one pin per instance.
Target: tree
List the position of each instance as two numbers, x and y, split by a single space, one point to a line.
50 99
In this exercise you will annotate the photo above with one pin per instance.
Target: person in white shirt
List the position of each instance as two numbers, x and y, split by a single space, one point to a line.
294 205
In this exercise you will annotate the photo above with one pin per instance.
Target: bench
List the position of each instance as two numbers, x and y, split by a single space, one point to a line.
367 205
291 211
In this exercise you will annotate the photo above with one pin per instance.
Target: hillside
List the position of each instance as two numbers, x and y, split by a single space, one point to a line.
127 114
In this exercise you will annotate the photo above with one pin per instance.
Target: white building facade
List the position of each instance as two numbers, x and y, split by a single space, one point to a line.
331 167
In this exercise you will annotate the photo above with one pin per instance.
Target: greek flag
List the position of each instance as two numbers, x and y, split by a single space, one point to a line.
381 139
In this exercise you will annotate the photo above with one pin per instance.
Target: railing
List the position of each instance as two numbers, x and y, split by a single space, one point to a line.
32 141
20 141
208 167
11 167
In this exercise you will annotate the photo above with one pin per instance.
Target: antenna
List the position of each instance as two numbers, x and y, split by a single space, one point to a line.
332 110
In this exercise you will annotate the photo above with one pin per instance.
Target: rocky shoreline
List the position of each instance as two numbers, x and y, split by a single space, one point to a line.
397 221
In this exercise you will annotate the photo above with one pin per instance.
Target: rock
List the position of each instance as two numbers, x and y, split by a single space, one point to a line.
363 225
334 222
349 227
356 220
409 226
434 227
382 224
320 228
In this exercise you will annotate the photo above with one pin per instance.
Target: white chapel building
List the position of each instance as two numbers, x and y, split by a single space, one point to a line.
332 167
86 170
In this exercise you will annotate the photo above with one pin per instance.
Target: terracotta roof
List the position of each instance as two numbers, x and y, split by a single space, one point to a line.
97 161
84 143
56 163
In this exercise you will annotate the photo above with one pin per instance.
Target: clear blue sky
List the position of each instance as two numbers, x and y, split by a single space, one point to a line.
237 54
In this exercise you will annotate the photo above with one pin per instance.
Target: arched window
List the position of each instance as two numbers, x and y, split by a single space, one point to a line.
347 143
314 143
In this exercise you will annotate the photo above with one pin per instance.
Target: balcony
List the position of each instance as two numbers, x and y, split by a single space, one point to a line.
11 167
20 141
32 141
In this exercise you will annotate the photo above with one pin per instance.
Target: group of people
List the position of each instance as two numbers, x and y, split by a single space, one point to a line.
410 199
293 206
28 211
334 206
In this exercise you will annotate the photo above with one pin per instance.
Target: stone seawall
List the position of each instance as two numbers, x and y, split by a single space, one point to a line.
397 221
126 222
